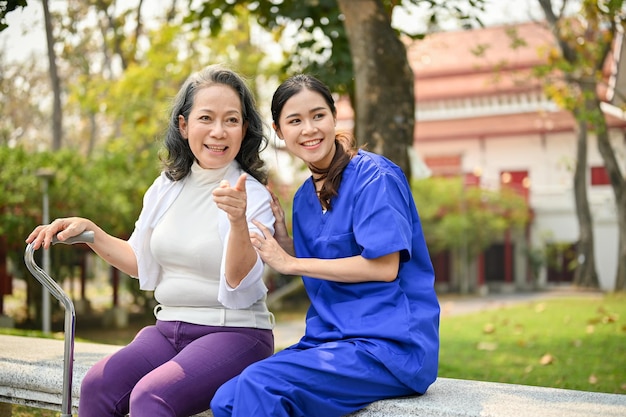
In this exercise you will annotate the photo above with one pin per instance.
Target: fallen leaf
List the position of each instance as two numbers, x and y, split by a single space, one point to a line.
590 329
488 346
546 359
540 307
489 328
593 379
610 318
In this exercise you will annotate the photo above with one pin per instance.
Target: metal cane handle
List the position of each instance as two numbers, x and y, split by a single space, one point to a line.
85 237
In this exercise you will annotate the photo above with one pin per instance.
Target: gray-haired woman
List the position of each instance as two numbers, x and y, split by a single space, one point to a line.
191 245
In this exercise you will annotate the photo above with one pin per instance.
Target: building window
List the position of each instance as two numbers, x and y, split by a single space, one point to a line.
599 176
519 181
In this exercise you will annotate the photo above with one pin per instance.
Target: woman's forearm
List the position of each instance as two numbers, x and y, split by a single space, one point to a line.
352 269
240 255
117 252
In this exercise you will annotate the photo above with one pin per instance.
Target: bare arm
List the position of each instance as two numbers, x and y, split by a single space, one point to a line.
352 269
115 251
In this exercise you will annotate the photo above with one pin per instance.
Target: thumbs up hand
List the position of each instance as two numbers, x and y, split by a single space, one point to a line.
233 200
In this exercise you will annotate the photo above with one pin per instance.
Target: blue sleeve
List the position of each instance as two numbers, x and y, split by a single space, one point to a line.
382 218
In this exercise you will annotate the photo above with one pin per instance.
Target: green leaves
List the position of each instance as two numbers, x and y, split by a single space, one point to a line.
452 214
102 189
6 7
315 29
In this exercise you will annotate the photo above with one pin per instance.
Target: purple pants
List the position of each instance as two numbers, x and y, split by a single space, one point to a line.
171 369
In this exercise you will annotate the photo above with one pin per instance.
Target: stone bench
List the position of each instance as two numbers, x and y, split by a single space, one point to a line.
31 373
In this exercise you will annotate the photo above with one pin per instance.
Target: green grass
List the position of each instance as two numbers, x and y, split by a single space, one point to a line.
572 343
21 411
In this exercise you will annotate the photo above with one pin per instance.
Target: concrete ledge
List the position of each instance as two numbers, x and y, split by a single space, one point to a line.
31 373
31 370
463 398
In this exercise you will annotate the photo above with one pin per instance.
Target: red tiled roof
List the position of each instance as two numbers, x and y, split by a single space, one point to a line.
500 126
448 65
477 62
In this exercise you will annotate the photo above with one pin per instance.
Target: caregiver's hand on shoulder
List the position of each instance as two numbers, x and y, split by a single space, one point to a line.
280 226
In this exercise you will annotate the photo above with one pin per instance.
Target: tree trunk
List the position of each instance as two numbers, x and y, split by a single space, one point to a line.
384 98
585 274
620 279
618 183
6 279
93 132
57 112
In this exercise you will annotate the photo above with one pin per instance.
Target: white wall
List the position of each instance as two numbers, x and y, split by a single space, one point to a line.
550 162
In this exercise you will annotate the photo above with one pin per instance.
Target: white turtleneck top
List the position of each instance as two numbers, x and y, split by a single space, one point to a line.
188 246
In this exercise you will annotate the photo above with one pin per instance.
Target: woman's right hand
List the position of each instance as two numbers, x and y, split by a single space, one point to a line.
280 226
61 228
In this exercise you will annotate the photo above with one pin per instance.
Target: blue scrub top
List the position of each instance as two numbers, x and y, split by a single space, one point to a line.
373 215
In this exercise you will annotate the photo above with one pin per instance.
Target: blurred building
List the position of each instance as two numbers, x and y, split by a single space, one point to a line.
482 114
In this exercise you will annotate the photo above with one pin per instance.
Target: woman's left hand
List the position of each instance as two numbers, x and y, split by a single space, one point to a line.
270 251
233 200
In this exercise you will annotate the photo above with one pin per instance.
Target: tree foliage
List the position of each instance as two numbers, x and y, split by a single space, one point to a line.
314 34
77 188
23 89
6 7
454 214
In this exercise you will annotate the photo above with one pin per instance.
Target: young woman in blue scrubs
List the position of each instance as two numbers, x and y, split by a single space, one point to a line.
372 330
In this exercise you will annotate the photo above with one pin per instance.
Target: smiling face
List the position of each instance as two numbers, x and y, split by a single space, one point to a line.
307 125
215 127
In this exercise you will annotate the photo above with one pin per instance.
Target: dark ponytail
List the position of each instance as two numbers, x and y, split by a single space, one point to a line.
344 151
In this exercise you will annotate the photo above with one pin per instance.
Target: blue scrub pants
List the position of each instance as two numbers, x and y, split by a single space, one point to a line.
332 379
171 369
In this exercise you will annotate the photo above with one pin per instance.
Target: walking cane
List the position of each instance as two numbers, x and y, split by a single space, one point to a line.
70 314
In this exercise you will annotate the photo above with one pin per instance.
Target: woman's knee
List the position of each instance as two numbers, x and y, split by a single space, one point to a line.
94 381
100 396
146 401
